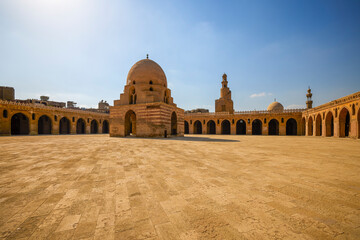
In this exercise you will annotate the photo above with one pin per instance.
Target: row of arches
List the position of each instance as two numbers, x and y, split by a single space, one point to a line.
20 125
323 124
130 124
273 127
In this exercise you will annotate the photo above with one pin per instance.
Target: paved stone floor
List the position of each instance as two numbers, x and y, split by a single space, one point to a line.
197 187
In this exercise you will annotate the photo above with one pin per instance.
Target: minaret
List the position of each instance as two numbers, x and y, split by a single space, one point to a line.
309 102
224 103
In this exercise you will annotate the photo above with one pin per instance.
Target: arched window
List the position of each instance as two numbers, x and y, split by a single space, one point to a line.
73 119
151 89
33 116
55 118
5 113
150 82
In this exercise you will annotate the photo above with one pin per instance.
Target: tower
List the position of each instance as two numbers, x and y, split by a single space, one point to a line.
224 103
309 102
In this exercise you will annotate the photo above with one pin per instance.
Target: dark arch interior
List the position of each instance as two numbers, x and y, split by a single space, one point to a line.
274 127
197 127
329 124
64 126
80 126
19 124
186 127
94 127
5 113
173 124
241 127
310 127
344 123
256 127
291 127
105 127
44 125
130 123
358 118
318 125
211 127
225 127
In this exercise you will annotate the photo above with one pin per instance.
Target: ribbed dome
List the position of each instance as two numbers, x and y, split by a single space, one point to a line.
275 106
144 71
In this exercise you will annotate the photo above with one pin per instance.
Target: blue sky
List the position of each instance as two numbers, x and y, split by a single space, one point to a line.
82 50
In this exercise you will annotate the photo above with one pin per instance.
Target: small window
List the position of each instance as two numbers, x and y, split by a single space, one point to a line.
233 121
248 120
55 118
204 121
100 121
88 120
151 89
5 114
264 120
353 109
150 82
134 82
33 116
73 119
218 122
282 120
190 121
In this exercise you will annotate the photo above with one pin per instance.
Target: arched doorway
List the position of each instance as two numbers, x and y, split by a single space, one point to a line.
19 124
241 127
358 117
310 126
303 125
225 127
291 127
274 127
186 127
105 126
344 122
64 126
256 127
318 131
197 127
130 123
94 127
44 125
211 127
329 124
173 124
80 126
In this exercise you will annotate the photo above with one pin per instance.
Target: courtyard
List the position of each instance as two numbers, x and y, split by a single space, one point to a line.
196 187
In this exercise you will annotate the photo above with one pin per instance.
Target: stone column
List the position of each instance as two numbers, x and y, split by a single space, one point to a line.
233 128
33 125
353 127
336 127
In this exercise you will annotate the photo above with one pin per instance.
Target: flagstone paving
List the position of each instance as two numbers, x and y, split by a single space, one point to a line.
197 187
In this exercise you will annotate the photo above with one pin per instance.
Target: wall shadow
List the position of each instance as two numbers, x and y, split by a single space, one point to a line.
198 139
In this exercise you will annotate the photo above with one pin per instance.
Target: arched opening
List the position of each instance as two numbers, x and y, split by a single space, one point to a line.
225 127
80 126
291 127
197 127
132 96
329 124
274 127
318 131
344 122
19 124
44 125
64 126
256 127
5 113
105 126
186 127
94 127
303 126
173 124
211 127
130 123
310 126
241 127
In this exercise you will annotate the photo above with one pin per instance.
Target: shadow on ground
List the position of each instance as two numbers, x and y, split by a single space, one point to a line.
199 139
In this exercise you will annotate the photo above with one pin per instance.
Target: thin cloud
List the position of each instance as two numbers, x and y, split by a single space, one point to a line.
295 106
263 94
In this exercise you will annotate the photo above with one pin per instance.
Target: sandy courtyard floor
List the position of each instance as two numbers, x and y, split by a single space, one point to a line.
197 187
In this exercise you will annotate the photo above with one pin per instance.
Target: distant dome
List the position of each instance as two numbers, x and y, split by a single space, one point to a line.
276 106
144 71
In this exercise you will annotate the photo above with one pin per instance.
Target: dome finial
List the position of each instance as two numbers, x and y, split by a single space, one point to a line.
147 56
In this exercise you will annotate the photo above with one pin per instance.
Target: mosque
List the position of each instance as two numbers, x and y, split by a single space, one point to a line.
146 109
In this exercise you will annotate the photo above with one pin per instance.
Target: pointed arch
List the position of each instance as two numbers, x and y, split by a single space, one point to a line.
225 127
310 126
20 124
211 127
173 123
197 127
241 127
344 122
318 122
64 126
273 127
80 126
44 125
130 123
186 127
256 127
329 124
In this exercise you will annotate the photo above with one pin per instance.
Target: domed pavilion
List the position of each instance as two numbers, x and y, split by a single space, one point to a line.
146 108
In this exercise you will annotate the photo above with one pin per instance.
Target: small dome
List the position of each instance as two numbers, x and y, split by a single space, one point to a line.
146 71
276 106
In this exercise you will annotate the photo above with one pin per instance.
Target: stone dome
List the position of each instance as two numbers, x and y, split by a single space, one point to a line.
146 71
275 106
